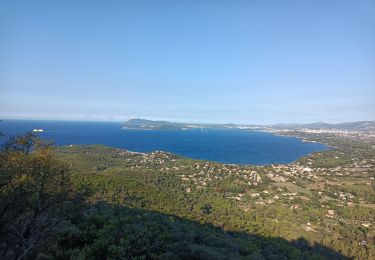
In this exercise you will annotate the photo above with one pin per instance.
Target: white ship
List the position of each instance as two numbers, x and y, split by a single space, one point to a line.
38 130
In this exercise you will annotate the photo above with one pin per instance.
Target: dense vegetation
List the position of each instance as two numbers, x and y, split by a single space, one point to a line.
37 197
94 202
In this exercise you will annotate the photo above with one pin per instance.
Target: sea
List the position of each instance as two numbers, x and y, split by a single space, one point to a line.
231 146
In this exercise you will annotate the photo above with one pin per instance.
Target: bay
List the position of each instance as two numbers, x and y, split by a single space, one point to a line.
221 145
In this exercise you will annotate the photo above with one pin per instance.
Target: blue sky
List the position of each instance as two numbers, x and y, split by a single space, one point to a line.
189 61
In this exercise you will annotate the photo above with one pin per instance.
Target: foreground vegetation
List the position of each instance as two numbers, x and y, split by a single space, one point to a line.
95 202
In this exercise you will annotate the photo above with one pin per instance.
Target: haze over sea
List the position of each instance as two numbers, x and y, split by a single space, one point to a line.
220 145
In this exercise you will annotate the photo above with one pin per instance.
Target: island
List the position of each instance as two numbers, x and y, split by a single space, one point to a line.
145 124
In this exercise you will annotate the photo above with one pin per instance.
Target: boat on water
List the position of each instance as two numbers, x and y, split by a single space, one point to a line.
36 130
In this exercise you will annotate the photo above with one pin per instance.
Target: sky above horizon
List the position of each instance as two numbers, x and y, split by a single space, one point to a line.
190 61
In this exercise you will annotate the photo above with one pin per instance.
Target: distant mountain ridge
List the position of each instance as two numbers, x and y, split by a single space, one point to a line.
359 126
145 124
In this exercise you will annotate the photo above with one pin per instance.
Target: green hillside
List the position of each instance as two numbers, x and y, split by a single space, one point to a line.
95 202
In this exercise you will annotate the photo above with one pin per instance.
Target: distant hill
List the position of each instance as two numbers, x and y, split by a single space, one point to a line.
144 124
139 121
362 126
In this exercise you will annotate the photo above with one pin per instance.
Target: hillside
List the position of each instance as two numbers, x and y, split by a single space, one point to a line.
322 205
96 202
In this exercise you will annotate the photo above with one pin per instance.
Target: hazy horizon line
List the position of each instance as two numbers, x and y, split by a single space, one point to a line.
171 121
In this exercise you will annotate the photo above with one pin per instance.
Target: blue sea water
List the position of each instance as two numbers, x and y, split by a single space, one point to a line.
226 146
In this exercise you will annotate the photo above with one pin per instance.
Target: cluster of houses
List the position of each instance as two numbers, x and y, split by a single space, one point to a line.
342 133
275 184
201 174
